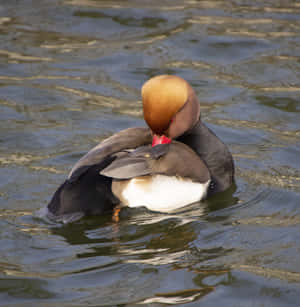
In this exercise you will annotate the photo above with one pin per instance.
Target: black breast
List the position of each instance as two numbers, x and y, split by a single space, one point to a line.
214 153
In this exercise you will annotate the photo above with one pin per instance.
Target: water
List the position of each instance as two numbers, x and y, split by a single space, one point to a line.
70 75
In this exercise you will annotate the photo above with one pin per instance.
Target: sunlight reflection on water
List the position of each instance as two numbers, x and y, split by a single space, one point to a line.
71 73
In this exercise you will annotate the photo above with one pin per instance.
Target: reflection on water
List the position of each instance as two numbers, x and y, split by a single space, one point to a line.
70 76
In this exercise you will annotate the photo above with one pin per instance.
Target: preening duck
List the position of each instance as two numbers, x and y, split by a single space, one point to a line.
174 162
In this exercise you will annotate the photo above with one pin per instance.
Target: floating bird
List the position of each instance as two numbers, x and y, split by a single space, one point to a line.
177 160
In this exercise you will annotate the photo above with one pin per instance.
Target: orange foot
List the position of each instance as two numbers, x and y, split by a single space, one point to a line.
116 214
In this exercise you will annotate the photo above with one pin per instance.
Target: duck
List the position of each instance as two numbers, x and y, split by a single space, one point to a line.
173 162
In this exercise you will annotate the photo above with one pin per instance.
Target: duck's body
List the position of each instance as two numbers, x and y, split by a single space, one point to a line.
126 169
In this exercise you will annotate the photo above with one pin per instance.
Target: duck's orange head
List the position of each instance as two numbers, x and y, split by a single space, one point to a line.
170 107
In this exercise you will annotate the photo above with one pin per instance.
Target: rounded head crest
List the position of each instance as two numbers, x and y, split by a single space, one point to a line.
164 97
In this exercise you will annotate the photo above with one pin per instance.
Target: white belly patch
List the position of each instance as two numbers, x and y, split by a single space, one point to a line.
159 192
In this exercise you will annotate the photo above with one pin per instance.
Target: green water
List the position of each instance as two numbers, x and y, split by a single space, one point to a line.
70 75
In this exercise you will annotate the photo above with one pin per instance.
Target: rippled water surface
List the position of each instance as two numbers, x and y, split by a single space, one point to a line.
70 75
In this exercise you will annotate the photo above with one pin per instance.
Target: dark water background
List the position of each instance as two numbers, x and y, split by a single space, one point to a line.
70 75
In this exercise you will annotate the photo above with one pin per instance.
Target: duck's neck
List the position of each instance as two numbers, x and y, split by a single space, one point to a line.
214 153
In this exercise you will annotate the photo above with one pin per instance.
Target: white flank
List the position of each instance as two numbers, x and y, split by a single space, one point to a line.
163 193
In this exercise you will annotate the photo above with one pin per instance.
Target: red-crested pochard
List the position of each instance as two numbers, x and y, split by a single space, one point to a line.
173 163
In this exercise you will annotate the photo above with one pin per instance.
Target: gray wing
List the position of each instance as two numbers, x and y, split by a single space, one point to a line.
127 139
174 159
136 163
